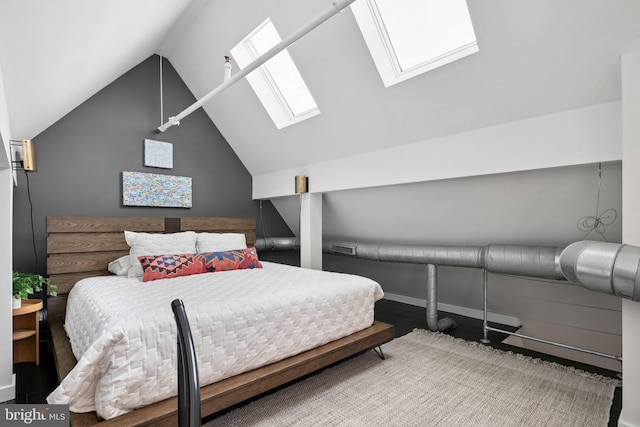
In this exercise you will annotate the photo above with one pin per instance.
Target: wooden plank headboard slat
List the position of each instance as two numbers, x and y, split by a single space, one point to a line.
60 243
219 225
81 262
82 224
66 281
251 237
222 225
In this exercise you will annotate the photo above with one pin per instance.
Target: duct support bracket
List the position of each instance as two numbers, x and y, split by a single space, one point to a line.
485 323
486 328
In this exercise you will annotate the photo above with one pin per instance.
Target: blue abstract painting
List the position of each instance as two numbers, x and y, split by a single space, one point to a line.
151 189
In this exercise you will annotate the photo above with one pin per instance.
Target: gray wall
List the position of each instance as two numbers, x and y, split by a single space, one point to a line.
82 156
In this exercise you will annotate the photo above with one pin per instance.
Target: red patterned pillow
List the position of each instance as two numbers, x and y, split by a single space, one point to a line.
157 267
237 259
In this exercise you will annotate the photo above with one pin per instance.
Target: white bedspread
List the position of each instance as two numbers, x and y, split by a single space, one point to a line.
123 332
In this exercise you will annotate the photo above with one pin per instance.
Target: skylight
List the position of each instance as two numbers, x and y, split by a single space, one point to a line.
278 83
410 37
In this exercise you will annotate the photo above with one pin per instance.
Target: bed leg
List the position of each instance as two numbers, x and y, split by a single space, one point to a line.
379 352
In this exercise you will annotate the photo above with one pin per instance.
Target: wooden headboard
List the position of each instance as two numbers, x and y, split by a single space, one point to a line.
80 246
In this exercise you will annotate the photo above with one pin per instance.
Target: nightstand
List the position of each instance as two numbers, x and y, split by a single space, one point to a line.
26 331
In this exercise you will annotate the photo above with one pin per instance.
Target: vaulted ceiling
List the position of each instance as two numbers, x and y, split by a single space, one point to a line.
536 58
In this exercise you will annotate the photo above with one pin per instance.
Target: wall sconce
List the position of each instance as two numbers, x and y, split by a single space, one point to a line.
227 68
302 184
23 155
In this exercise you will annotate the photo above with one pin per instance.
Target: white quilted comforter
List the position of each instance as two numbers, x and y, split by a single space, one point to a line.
123 332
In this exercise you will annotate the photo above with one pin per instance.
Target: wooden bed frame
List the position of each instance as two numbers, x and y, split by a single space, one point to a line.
79 247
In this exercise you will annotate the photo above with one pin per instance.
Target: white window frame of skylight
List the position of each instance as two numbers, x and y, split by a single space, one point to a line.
372 26
264 84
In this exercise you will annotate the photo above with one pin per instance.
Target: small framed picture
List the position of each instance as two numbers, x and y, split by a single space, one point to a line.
158 154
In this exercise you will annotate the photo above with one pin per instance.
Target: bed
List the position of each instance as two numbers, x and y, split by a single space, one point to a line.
79 251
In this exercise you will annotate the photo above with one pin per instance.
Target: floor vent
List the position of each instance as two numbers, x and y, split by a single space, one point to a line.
344 249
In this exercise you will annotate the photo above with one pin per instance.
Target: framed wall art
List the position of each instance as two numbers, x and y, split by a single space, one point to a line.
158 154
157 190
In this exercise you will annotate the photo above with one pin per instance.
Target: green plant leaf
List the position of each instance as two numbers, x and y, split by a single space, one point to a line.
25 284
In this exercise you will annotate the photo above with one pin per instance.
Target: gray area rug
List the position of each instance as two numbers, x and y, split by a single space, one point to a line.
432 379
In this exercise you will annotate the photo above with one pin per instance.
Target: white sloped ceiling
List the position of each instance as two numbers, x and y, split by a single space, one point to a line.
56 54
536 58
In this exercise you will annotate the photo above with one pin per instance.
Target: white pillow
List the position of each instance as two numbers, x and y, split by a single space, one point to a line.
121 266
220 242
157 244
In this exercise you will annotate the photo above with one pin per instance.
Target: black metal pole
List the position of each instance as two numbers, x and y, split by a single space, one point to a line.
188 383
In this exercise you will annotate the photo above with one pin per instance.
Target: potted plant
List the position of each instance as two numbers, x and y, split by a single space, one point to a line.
25 284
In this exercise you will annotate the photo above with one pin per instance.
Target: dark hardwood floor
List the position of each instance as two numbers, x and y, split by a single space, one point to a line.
34 383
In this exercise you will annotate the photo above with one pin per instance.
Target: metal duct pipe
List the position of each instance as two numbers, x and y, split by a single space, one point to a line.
460 256
432 303
531 261
276 243
611 268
